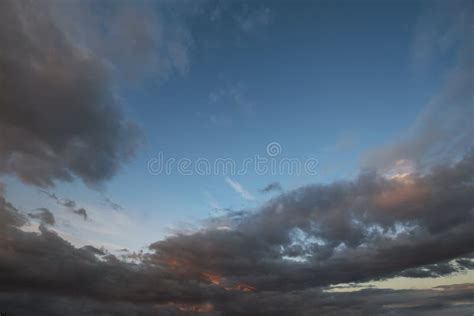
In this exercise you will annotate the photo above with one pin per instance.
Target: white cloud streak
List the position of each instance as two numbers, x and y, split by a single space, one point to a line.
237 187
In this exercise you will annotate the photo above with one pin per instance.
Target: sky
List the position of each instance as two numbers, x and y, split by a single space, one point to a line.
237 157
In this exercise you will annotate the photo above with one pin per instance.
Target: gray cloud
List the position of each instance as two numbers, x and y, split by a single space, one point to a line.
369 228
67 203
339 233
57 105
44 215
9 215
81 212
63 202
111 203
46 265
366 302
271 187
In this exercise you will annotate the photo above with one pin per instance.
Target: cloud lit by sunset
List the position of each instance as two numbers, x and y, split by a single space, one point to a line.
221 157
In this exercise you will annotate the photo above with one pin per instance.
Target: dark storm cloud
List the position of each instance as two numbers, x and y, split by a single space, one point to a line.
44 215
366 302
44 265
343 232
369 228
9 215
274 186
58 114
440 269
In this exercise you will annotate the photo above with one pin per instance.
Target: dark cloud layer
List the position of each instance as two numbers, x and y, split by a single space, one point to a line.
45 263
58 114
344 232
449 301
274 260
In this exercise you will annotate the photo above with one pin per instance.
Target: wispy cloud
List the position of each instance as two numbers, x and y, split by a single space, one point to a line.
248 19
444 127
107 201
233 102
254 20
274 186
67 203
237 187
212 201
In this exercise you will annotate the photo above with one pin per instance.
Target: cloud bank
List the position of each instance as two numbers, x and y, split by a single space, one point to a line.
278 258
